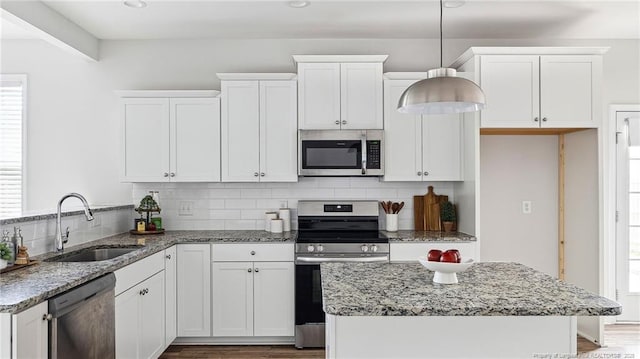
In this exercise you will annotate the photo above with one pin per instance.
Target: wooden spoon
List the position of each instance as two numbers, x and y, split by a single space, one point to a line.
401 205
395 207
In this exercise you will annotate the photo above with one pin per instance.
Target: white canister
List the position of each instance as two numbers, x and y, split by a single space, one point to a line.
267 220
276 226
392 222
285 216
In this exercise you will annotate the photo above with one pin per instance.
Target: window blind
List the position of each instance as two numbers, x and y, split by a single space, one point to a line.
12 112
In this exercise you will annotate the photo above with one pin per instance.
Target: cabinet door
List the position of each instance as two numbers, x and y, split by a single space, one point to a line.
232 301
511 84
128 323
442 146
273 313
152 317
278 131
30 333
570 91
240 131
145 136
402 136
195 139
319 96
361 96
170 295
194 290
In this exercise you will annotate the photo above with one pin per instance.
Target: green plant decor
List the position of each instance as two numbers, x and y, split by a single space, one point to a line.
5 252
447 212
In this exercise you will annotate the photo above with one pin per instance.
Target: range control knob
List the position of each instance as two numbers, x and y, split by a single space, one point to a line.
310 248
364 248
374 248
320 248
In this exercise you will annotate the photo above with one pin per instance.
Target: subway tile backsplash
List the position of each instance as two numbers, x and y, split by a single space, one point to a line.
242 205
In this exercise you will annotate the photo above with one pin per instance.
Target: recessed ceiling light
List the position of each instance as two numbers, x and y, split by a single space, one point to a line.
138 4
451 4
299 3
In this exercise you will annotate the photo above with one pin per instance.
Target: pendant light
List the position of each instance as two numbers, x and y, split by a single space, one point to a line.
442 92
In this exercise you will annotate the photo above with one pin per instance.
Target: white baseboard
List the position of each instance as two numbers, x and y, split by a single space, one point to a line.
234 341
589 338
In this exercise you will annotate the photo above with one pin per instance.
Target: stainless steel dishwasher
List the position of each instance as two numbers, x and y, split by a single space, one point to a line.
82 321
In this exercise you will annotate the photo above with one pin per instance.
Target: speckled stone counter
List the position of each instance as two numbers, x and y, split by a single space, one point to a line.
406 236
485 289
26 287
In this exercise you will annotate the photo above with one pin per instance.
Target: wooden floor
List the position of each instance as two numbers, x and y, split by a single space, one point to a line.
620 339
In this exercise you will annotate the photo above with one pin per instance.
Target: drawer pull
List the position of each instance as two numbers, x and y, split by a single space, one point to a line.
253 253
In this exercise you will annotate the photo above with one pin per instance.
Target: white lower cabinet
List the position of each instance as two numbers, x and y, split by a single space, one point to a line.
30 333
406 252
140 308
170 297
253 299
193 290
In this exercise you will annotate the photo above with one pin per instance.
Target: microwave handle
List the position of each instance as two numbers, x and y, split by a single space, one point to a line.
363 138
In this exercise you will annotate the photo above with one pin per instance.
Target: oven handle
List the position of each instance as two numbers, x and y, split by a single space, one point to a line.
304 260
363 139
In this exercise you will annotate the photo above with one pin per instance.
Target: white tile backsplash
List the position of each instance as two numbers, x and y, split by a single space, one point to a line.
38 236
242 205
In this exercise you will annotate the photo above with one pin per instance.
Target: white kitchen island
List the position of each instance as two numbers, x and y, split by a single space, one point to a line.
498 310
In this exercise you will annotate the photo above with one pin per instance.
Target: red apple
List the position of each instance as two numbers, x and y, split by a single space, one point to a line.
434 255
456 252
449 257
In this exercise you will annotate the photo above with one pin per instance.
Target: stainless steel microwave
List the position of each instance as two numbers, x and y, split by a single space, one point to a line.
341 153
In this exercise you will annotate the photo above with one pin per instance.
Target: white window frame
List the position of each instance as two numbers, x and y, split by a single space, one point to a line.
22 78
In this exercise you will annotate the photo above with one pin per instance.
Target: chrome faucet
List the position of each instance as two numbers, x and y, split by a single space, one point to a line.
87 213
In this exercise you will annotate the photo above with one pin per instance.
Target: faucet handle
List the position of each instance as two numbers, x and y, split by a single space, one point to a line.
66 235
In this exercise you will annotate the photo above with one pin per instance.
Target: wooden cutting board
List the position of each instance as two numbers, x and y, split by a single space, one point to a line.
431 211
418 213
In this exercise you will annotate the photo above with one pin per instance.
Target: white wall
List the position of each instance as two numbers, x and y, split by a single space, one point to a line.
515 169
72 119
242 205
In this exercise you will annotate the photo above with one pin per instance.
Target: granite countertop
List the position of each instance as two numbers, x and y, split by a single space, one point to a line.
26 287
405 236
485 289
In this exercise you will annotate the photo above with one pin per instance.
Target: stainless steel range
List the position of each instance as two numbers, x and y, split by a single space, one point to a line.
330 231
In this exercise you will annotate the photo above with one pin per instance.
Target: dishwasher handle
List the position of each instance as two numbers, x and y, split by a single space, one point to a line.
67 301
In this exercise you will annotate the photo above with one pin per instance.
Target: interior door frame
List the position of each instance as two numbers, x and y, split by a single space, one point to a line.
609 198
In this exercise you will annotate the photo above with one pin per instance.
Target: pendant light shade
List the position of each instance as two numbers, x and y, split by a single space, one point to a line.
442 92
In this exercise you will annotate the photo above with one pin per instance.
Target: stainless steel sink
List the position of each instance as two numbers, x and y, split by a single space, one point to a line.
93 254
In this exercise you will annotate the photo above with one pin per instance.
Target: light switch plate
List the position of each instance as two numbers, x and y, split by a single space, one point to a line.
185 208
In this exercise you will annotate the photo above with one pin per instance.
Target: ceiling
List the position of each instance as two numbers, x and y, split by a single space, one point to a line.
497 19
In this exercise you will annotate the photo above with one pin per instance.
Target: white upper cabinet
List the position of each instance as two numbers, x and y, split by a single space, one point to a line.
361 96
538 87
170 138
319 96
340 92
420 148
259 133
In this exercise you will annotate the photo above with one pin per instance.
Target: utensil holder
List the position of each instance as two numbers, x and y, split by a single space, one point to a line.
392 222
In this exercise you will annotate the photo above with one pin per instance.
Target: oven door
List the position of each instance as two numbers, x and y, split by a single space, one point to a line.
309 313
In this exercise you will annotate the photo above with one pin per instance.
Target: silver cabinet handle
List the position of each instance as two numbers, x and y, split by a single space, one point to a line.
257 270
426 173
255 174
141 292
544 119
47 317
249 270
261 174
337 122
253 253
172 174
419 173
363 144
535 119
344 122
168 256
166 174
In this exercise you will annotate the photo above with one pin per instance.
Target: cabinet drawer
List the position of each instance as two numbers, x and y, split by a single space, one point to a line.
402 252
138 271
242 252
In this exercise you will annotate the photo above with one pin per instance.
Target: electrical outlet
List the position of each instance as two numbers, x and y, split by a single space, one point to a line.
186 208
526 207
284 204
